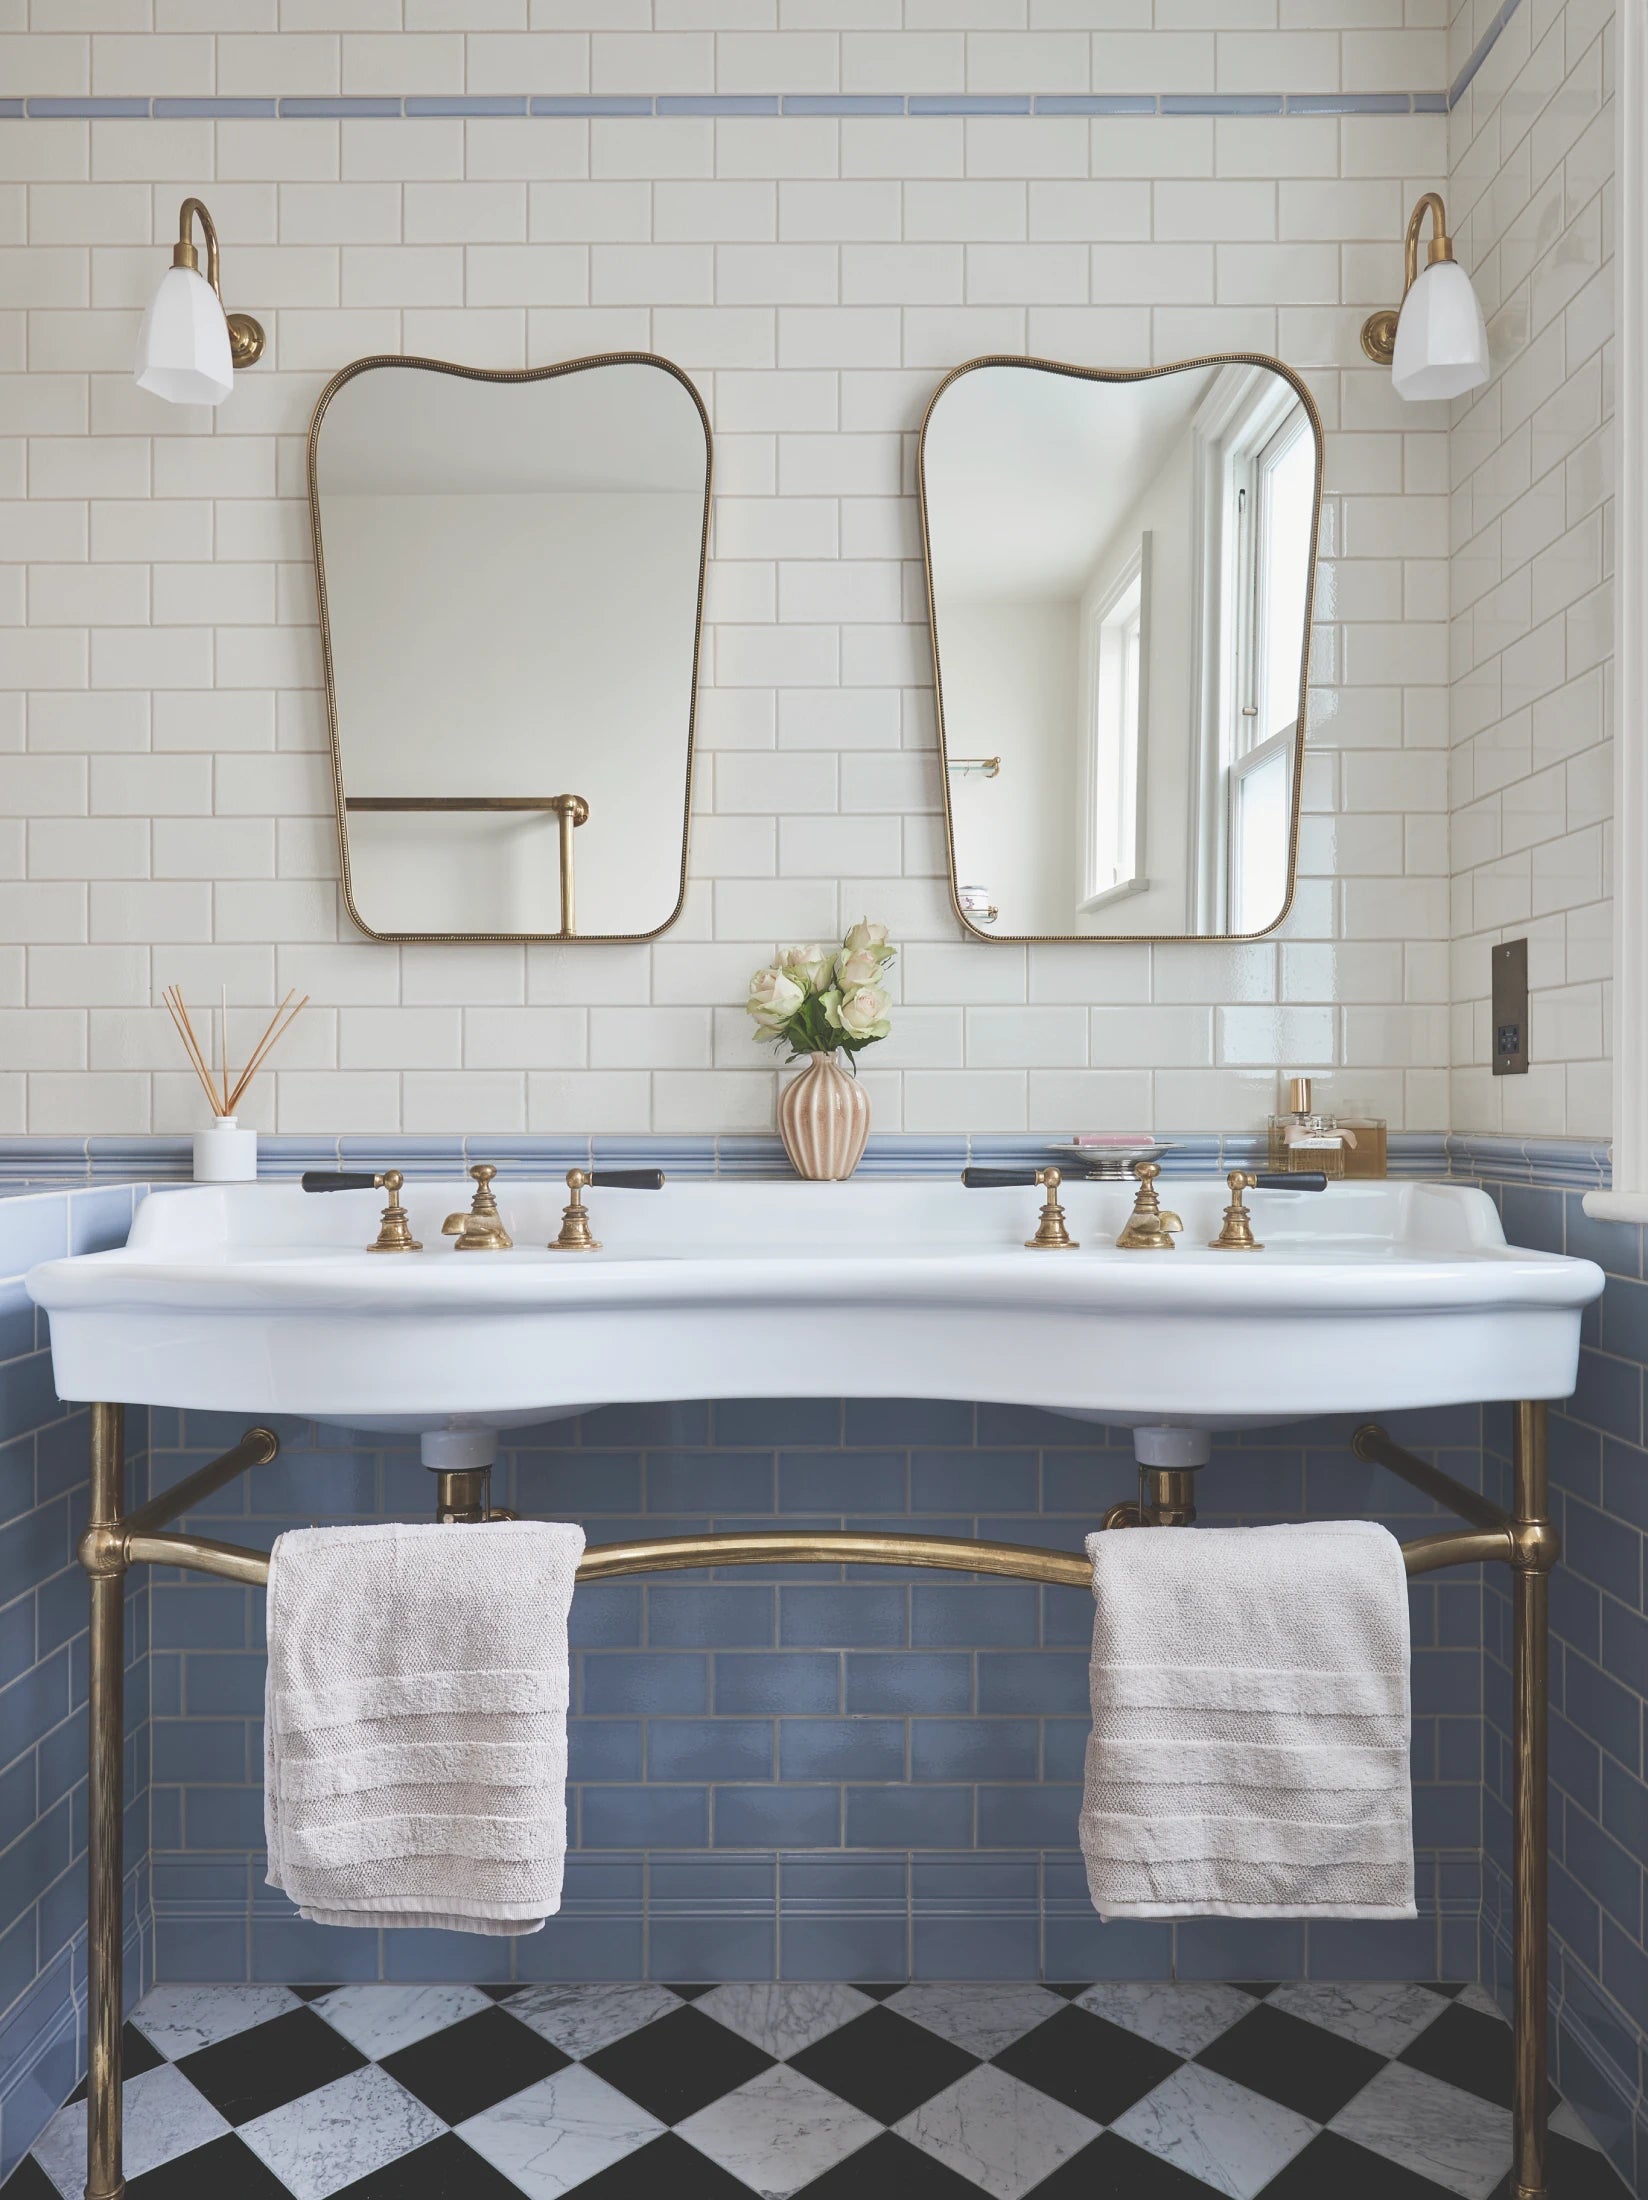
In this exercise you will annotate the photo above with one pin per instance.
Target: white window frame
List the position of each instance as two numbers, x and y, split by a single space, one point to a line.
1234 427
1136 572
1628 1200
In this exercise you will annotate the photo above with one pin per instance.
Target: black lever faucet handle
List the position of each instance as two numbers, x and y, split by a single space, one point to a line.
1287 1180
991 1179
339 1180
627 1180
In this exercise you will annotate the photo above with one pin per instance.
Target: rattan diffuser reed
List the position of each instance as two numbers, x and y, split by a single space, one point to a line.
224 1096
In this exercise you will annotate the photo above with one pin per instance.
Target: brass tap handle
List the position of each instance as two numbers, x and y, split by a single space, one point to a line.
1150 1227
575 1232
1237 1234
1052 1234
395 1235
481 1230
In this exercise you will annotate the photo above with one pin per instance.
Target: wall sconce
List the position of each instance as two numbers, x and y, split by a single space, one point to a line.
189 347
1435 343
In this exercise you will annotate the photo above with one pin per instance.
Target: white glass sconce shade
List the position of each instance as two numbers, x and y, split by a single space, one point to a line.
1441 338
183 347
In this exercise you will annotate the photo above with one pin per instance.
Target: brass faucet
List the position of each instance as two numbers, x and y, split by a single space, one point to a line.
575 1234
1052 1231
1150 1228
1237 1234
481 1230
395 1234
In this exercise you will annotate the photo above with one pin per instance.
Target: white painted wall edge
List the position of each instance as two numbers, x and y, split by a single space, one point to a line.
1631 643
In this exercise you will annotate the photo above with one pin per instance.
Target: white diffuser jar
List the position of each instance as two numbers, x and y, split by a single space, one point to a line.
225 1154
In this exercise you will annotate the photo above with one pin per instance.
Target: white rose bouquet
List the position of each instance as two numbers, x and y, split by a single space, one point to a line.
815 1002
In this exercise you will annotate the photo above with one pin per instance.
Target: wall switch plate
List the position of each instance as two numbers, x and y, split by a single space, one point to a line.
1510 1009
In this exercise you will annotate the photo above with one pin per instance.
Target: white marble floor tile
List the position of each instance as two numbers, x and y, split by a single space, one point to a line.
779 2132
1381 2014
580 2019
1211 2128
781 2020
380 2019
1437 2130
178 2019
165 2117
558 2132
1000 2133
981 2019
327 2139
1180 2015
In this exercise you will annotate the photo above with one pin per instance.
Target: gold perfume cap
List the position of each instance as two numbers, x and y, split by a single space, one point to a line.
1299 1095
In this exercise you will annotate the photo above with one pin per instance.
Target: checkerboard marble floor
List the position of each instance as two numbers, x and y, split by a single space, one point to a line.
926 2092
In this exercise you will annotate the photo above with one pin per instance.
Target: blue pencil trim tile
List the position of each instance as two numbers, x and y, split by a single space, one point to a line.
1222 103
717 103
1096 103
44 109
968 103
169 109
581 103
843 103
1349 103
466 103
1430 103
12 110
331 108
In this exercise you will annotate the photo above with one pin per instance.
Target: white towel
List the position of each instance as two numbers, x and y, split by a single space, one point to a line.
415 1723
1249 1754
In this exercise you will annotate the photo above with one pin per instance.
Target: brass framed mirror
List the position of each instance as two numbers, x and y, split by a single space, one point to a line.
1120 574
510 567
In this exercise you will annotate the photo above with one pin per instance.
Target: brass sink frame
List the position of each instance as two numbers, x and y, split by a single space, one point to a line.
1522 1538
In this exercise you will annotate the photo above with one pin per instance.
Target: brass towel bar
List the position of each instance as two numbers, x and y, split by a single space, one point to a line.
571 809
1522 1538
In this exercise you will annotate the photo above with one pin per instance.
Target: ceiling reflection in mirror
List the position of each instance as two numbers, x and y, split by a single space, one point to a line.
511 578
1120 568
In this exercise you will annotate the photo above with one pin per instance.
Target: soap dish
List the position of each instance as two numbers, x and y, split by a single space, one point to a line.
1106 1153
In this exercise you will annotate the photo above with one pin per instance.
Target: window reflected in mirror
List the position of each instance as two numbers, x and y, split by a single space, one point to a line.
1120 571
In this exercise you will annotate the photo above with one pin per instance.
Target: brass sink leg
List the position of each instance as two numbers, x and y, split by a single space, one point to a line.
103 1554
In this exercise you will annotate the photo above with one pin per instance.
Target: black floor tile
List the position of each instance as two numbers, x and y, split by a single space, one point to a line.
225 2167
889 2168
1257 1987
880 1989
1112 2168
270 2064
1469 2050
666 2169
678 2064
883 2064
688 1993
28 2181
1449 1988
1334 2166
498 1989
444 2170
1580 2173
1091 2065
1306 2068
312 1993
474 2064
137 2054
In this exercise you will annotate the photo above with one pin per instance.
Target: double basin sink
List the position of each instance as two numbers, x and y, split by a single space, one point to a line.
1366 1298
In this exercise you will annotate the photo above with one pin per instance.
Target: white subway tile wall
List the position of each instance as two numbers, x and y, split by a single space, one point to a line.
162 762
1532 556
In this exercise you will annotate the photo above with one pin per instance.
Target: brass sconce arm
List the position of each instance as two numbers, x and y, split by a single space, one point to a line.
246 337
1379 329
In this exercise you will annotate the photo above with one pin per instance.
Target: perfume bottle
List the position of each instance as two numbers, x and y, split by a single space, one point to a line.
1304 1138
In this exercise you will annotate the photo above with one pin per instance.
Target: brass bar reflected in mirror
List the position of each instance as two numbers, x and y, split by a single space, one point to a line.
1120 568
572 810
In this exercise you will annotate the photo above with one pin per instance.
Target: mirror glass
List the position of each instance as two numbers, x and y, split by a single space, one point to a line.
1120 568
511 581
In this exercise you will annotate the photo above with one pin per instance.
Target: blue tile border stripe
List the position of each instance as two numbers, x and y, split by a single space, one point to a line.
43 1161
395 106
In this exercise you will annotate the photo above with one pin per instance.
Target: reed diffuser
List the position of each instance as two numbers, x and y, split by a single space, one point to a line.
226 1154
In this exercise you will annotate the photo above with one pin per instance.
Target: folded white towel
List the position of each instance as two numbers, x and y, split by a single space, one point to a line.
415 1723
1249 1754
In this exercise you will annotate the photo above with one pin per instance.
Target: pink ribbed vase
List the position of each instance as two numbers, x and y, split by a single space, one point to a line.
824 1119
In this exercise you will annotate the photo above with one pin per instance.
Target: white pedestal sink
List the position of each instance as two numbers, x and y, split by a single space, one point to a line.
1366 1298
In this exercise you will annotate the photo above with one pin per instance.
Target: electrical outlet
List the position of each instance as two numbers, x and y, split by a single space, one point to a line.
1510 1009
